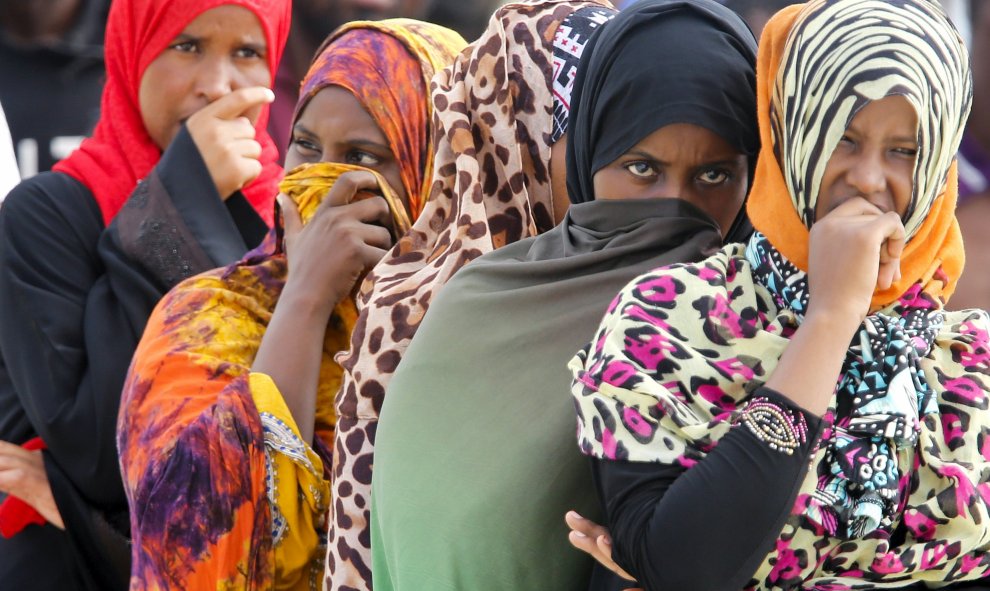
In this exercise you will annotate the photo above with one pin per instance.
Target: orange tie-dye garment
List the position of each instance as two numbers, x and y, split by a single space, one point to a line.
224 493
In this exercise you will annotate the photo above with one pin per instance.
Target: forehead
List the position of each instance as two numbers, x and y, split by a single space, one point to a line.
888 115
227 19
335 111
688 138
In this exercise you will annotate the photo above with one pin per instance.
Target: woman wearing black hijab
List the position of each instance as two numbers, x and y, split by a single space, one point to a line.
476 431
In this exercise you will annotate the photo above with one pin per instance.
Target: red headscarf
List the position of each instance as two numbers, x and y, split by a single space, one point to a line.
120 152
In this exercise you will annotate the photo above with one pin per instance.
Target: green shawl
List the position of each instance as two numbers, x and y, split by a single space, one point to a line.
475 464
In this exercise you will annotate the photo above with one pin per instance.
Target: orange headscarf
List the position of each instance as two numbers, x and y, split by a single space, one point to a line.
392 82
934 254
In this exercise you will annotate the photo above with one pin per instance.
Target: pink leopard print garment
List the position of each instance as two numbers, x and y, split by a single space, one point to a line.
491 187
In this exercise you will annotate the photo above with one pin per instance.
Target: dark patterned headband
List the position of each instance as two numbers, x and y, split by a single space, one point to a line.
568 45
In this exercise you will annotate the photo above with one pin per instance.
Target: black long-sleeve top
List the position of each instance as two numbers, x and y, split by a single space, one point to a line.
74 299
707 528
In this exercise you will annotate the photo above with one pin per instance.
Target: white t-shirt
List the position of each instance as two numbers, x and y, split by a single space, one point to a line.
9 174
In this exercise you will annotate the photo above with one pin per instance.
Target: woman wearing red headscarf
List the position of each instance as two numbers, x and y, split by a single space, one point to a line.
178 177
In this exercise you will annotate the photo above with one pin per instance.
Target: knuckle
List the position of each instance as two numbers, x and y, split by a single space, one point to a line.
359 178
215 134
346 182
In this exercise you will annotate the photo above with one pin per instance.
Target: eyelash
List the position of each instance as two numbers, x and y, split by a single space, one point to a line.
353 157
186 46
240 52
908 152
631 165
304 144
251 52
725 175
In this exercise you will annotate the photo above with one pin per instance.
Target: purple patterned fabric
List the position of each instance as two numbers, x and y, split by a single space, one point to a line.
974 169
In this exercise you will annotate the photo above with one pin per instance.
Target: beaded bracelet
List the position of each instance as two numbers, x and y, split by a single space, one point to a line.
782 429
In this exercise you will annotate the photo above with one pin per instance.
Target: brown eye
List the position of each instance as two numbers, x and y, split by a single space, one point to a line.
304 145
641 169
714 176
247 52
361 158
185 47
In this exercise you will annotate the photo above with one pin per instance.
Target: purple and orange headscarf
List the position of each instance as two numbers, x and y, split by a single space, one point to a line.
390 76
223 491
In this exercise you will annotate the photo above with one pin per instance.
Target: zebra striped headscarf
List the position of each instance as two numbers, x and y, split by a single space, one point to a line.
831 70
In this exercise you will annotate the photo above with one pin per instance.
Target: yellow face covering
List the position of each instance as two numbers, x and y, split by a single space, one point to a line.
308 184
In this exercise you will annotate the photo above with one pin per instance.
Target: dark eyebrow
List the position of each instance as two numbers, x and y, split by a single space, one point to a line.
645 156
722 161
256 46
726 162
901 139
300 128
363 143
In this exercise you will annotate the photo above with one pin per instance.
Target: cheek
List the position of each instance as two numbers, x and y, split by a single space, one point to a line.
393 176
608 184
292 159
255 73
737 198
158 99
722 206
825 189
598 183
902 185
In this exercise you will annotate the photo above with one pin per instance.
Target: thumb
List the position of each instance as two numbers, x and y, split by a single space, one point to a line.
290 217
894 235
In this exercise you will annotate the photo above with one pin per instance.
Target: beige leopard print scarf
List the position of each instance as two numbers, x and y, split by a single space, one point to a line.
491 187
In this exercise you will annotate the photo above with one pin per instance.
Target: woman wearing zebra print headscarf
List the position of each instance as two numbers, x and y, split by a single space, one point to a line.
799 412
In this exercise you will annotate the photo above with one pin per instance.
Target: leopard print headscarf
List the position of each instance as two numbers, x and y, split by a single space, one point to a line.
491 187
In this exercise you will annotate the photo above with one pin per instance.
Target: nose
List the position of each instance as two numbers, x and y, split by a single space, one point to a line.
673 186
215 78
866 174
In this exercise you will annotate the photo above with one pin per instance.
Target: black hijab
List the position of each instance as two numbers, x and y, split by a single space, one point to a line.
657 63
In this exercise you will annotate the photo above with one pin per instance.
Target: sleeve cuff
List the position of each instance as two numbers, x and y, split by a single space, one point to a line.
187 181
777 421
